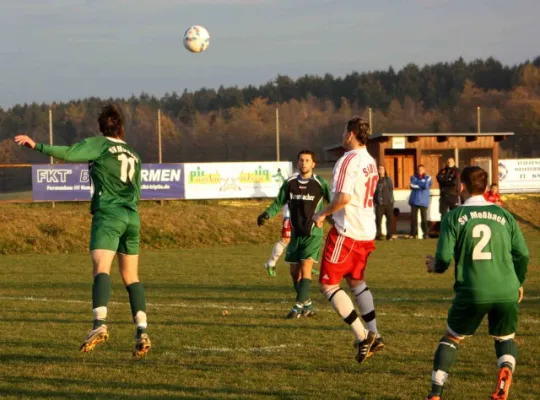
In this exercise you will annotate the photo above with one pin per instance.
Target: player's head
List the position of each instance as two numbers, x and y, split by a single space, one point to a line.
451 162
111 121
494 188
305 162
356 133
473 181
382 170
421 170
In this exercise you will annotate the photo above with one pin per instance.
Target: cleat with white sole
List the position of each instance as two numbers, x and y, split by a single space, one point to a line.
94 337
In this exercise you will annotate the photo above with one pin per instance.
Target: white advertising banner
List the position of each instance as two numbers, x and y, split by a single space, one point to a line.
235 180
519 175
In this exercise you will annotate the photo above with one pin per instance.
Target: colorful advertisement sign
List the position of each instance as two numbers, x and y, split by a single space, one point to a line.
71 182
519 175
235 180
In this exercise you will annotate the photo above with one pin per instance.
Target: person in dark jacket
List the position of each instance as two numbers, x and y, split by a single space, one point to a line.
448 179
419 200
384 202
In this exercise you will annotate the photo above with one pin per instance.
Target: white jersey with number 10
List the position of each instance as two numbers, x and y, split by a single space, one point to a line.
356 175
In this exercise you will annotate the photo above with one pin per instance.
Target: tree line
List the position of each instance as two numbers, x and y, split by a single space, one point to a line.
238 124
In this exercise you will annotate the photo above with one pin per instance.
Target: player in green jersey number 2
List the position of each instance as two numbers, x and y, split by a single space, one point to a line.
304 193
115 172
491 260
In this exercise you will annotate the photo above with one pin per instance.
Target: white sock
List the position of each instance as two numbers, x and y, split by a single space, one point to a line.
100 313
277 251
344 306
364 299
140 320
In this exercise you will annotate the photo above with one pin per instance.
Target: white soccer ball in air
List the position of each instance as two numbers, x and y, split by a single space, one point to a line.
196 39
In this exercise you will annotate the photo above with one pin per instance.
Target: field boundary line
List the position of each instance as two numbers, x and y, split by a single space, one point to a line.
225 307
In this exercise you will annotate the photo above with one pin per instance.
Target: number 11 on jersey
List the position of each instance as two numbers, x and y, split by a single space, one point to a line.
127 167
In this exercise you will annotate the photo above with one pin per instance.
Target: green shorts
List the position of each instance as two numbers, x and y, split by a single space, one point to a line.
303 248
464 318
116 229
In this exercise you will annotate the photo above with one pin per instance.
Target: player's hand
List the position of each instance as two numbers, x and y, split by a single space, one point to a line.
520 295
430 264
261 219
23 140
319 218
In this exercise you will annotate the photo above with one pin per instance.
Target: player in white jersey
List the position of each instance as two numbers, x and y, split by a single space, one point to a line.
352 238
280 246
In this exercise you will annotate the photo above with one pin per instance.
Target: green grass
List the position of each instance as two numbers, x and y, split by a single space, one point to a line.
252 352
38 228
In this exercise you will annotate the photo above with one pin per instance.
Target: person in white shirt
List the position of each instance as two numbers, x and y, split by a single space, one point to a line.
352 238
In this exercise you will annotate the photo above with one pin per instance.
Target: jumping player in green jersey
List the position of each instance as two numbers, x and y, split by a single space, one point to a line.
115 172
304 193
491 259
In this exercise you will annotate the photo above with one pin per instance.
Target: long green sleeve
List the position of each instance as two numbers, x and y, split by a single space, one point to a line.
445 246
327 192
87 150
279 202
520 252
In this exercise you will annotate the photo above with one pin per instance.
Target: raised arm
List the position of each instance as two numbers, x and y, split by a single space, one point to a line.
87 150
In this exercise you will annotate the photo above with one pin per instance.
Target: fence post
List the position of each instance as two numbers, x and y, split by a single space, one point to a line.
51 159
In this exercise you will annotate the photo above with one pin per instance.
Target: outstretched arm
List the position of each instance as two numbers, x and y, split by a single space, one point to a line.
83 151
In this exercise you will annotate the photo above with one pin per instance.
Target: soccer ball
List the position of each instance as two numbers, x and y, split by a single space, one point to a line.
196 39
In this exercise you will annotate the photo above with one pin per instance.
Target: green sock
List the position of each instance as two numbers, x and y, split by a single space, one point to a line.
101 293
445 357
137 300
507 353
303 290
295 284
101 290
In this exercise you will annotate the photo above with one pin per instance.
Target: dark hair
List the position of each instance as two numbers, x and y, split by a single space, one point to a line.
111 120
420 166
475 180
494 185
360 128
311 153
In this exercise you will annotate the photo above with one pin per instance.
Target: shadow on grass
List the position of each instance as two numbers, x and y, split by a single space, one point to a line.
106 389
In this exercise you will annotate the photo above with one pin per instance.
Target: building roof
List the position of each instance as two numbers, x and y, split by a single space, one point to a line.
379 135
438 134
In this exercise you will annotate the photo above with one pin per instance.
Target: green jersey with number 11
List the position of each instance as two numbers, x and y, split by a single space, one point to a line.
489 251
115 170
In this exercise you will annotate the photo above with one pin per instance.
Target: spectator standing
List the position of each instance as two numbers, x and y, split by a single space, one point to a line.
384 203
420 185
448 179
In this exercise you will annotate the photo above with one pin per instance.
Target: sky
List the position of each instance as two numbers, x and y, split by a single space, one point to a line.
59 50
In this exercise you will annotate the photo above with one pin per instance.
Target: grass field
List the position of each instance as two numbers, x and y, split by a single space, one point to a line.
252 352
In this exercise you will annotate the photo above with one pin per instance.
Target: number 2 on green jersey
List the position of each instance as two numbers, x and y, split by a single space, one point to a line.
127 167
483 232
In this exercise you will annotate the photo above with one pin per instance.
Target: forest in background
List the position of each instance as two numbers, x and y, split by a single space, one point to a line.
238 124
